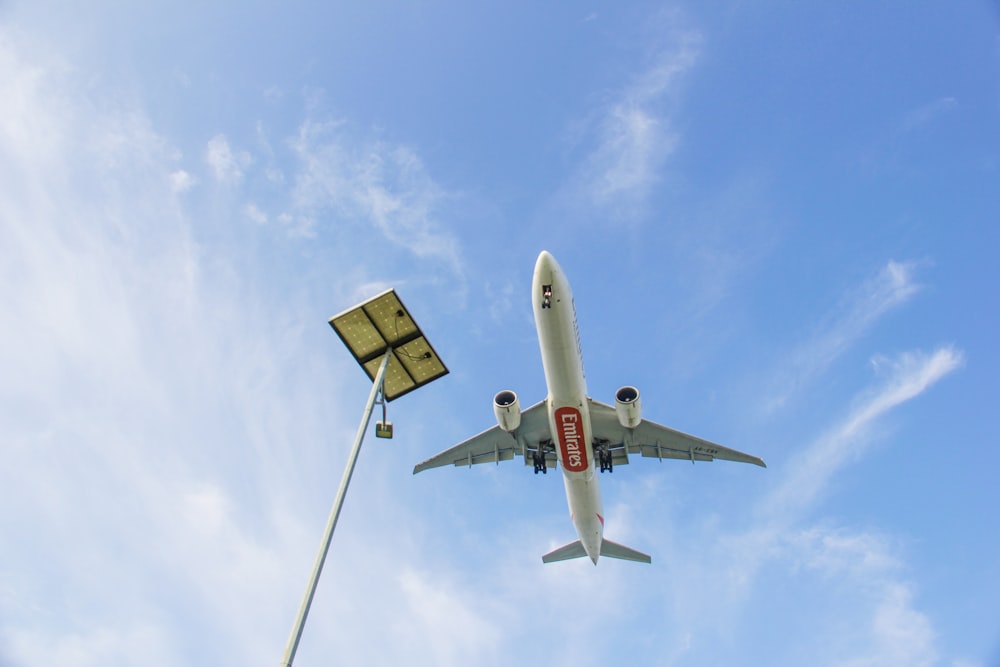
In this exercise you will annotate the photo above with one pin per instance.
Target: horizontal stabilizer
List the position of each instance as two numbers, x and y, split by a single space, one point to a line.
608 548
622 552
568 552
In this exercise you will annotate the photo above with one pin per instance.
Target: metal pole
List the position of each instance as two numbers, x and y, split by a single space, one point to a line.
331 523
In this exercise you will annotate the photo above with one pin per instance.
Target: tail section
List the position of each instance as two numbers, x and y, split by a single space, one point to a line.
608 548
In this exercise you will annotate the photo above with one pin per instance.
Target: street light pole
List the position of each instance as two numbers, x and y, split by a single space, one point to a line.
379 333
300 621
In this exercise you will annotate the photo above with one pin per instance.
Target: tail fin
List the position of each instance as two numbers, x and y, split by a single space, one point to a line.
608 548
622 552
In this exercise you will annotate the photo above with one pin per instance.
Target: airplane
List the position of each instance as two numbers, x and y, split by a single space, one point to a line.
570 429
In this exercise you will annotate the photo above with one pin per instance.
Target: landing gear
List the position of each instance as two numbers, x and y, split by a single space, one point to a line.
546 296
538 458
606 460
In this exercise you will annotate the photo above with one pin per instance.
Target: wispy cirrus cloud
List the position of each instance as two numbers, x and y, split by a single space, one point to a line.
143 426
228 165
855 314
182 181
908 376
857 597
890 630
383 185
632 133
926 114
118 395
325 180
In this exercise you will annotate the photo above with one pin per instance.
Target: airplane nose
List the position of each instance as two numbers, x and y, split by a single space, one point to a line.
546 267
542 283
545 262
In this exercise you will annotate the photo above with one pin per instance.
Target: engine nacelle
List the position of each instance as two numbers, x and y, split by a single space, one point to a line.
508 410
628 407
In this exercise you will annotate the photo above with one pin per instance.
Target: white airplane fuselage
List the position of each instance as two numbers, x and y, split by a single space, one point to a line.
568 408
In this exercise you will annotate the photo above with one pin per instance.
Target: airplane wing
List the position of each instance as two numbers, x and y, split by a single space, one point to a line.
653 440
495 445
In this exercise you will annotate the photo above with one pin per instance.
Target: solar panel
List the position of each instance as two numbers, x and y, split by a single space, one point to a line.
383 322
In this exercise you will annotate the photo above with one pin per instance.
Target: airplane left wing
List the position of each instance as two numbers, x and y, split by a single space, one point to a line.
495 445
656 441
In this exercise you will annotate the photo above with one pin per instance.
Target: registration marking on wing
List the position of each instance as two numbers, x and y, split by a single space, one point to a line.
569 429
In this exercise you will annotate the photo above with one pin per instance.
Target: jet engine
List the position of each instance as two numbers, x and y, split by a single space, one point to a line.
628 407
508 410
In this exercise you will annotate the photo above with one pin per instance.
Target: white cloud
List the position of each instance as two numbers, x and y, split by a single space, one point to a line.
634 136
501 301
924 115
853 317
94 646
22 126
887 628
847 585
228 166
275 176
182 181
162 418
911 374
432 605
254 213
123 373
382 185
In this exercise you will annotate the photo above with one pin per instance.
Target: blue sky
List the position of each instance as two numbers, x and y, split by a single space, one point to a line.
780 221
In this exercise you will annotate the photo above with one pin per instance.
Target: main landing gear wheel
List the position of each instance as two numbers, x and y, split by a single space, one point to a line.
606 460
538 458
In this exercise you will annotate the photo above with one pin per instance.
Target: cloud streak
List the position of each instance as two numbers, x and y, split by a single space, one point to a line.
228 166
846 585
633 134
855 315
385 186
923 116
146 427
891 631
120 364
910 375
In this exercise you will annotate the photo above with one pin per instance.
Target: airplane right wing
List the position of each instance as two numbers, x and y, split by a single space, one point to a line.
656 441
495 445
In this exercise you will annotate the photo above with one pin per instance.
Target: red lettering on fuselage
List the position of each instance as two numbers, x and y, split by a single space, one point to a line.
569 431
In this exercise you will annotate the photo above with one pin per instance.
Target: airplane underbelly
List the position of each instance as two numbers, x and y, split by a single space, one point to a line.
585 508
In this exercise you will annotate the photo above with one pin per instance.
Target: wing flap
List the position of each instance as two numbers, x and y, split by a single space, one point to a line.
658 452
467 458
